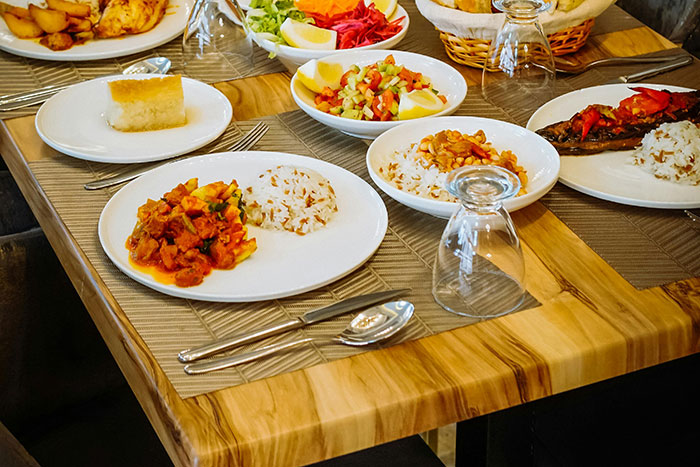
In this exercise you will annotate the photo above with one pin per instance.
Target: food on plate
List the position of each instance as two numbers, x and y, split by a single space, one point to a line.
382 91
146 104
190 231
22 27
307 36
290 198
323 25
599 128
422 168
121 17
671 152
317 75
66 23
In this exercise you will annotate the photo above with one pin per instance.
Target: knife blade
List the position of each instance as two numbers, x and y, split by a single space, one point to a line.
634 77
310 317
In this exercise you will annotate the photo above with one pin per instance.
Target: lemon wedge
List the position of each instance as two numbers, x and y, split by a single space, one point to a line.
419 103
388 7
307 36
315 75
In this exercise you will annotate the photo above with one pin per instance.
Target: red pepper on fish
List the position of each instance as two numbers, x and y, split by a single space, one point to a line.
599 128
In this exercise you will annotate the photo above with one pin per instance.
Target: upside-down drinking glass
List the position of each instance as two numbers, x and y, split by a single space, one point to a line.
216 44
479 269
519 70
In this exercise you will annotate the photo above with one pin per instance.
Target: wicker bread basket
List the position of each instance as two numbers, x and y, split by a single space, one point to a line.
467 42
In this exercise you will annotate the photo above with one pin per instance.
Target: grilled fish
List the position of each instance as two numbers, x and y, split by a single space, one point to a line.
599 128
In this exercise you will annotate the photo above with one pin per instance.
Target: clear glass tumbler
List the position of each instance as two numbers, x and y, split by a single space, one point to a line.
479 269
217 44
519 69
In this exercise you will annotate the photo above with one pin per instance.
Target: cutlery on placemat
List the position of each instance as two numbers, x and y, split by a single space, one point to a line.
374 325
576 68
243 144
634 77
310 317
19 100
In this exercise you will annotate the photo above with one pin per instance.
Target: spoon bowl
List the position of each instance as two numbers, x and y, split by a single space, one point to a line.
377 323
159 65
372 325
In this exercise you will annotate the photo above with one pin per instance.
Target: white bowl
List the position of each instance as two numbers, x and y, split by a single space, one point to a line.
293 57
536 155
442 76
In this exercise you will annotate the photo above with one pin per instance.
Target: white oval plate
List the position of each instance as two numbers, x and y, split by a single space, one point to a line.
73 123
537 156
293 57
170 26
607 175
285 263
443 77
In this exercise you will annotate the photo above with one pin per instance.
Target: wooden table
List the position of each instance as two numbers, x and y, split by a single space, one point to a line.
592 325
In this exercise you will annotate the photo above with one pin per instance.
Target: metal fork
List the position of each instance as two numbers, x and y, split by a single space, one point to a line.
243 144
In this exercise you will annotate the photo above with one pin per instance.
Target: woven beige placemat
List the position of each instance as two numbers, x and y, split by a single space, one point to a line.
168 324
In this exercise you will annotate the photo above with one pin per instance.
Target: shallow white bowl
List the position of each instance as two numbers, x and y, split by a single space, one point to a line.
539 158
293 57
443 77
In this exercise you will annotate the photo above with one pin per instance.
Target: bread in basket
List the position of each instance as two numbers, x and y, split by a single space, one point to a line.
467 35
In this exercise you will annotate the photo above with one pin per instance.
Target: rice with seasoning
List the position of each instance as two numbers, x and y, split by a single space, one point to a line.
409 172
290 198
671 152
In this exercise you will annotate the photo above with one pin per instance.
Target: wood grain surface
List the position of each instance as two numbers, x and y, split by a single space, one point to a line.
592 325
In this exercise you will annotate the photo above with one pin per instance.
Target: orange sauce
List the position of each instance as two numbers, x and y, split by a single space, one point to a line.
167 278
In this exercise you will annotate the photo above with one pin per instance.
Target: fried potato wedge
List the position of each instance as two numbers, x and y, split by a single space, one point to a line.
18 11
79 24
22 27
80 10
49 20
57 41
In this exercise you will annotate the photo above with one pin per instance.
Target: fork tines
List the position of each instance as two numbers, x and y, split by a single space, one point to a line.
252 137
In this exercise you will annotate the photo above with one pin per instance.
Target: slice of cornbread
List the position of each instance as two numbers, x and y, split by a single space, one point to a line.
146 104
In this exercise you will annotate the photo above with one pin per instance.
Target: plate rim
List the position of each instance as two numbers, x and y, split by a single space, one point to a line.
228 115
74 55
182 292
606 195
444 209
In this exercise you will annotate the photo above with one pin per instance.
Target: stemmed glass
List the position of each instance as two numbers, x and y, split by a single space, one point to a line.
217 44
519 70
479 269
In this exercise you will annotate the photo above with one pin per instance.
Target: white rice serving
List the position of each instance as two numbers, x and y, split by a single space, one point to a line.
408 171
671 152
290 198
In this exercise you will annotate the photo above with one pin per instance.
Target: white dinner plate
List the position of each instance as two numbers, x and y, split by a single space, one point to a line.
172 25
608 175
537 156
284 263
293 57
448 81
73 122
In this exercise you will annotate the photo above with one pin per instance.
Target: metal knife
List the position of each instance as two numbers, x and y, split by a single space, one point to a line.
634 77
310 317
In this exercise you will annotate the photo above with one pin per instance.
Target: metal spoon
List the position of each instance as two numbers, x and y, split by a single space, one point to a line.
377 323
37 96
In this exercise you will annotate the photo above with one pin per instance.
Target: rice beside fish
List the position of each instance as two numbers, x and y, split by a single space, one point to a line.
290 198
671 152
